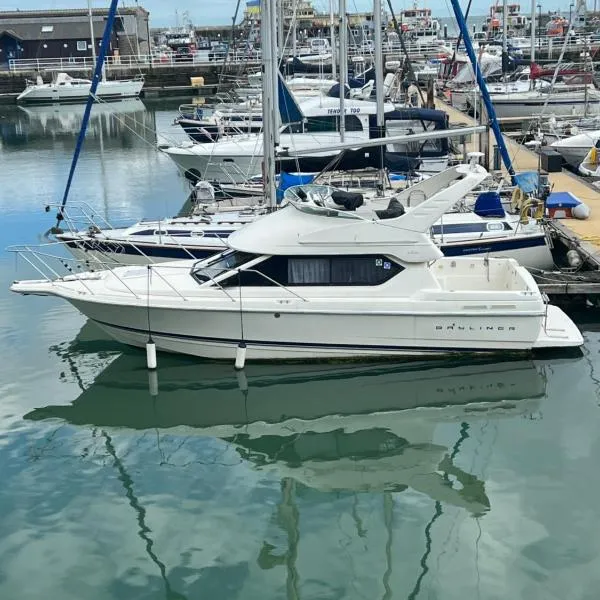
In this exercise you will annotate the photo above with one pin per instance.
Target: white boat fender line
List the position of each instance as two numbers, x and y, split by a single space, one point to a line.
240 356
151 356
240 353
150 345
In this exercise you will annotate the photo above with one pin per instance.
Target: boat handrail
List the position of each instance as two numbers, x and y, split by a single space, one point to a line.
80 212
40 260
76 270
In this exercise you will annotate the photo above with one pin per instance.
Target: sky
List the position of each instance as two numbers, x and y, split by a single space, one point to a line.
220 12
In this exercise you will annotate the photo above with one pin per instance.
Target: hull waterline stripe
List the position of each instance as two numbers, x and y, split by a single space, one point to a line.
325 346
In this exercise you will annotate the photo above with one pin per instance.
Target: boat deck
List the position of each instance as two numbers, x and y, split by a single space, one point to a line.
587 231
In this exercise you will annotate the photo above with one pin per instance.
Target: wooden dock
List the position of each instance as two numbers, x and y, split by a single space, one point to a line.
584 236
524 159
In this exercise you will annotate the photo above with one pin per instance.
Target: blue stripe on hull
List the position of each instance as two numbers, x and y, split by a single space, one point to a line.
486 247
141 250
169 252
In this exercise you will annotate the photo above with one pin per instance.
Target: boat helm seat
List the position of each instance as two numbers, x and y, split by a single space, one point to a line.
347 200
395 209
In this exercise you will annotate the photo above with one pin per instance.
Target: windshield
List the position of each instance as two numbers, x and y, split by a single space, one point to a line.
219 264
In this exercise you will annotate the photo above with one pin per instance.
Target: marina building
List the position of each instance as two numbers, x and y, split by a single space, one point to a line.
30 34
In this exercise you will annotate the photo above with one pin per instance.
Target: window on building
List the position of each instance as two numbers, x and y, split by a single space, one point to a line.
81 46
47 28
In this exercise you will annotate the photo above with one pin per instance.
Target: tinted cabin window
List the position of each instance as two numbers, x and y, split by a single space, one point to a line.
315 124
318 270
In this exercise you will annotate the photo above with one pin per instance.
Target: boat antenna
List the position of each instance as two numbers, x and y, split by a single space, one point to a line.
485 95
112 11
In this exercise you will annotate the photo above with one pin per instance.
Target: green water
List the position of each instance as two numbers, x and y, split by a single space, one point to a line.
432 481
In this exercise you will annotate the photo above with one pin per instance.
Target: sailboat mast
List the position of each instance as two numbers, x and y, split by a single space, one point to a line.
89 3
379 80
532 31
504 39
269 83
343 67
332 35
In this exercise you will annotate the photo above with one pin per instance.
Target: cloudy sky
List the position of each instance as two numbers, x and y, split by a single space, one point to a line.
212 12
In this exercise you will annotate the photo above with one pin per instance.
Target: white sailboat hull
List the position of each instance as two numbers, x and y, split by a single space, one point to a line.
559 104
536 256
107 90
575 148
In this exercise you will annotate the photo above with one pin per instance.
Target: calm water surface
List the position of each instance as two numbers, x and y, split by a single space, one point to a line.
431 481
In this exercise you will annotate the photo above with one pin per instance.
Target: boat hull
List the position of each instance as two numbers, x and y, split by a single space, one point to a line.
573 155
509 108
241 167
107 90
301 334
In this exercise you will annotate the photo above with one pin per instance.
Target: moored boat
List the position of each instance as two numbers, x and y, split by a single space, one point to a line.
312 282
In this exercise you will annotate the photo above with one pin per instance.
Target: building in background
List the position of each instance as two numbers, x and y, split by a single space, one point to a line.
30 34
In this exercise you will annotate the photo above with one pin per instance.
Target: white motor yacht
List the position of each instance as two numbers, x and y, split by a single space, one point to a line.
313 282
71 89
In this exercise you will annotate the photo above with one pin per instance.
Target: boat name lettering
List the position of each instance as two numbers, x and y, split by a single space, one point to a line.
471 328
336 111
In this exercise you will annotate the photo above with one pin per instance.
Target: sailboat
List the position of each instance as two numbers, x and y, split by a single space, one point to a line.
65 88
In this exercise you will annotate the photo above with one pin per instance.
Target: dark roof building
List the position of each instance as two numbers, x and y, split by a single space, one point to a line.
66 33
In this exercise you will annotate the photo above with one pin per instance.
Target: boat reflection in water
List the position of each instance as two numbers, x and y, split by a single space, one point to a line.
350 428
361 427
125 121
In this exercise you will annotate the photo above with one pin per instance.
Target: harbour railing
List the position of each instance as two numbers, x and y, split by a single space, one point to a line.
160 60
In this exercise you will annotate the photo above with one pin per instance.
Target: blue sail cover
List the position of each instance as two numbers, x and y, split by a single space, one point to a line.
289 110
489 204
528 181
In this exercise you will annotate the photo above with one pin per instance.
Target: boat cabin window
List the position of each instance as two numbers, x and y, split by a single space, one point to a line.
312 271
481 227
316 124
219 264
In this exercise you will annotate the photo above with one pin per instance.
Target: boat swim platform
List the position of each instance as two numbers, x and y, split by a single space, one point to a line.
587 231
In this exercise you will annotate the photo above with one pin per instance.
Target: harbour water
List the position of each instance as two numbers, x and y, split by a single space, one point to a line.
437 480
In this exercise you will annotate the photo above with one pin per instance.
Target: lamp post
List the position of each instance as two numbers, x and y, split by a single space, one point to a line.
570 13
